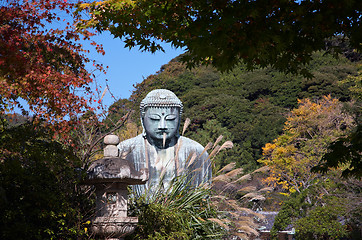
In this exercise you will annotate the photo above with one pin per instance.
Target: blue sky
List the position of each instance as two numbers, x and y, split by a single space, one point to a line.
127 67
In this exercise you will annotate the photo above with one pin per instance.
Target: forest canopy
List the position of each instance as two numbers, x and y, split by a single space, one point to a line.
248 108
281 34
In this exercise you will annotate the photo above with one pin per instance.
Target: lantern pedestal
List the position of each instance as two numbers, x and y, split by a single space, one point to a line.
111 175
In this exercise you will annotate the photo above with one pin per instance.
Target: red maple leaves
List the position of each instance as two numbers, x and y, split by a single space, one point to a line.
42 64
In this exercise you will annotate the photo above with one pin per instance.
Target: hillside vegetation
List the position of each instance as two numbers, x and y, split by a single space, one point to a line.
246 107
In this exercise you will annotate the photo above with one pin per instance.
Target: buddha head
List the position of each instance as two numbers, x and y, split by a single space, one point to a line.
160 116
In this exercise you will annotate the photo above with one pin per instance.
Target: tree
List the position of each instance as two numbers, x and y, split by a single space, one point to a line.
317 212
307 133
179 211
282 34
43 65
346 151
251 106
39 193
316 203
322 223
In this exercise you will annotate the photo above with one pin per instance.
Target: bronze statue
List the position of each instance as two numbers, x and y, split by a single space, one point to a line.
160 148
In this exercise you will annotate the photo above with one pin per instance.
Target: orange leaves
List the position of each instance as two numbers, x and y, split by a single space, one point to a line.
268 149
308 131
311 118
44 67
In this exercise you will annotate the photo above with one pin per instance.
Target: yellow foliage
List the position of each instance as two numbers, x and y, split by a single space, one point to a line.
308 131
268 149
104 3
284 194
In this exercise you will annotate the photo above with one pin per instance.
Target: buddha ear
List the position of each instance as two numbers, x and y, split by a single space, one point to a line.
143 127
142 116
178 126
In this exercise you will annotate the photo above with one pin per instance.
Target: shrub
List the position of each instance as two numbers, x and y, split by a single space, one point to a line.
38 194
180 212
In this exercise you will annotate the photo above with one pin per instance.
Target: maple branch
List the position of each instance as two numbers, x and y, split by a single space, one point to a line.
119 124
89 150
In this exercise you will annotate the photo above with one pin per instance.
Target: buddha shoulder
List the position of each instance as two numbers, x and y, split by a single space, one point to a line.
131 143
191 144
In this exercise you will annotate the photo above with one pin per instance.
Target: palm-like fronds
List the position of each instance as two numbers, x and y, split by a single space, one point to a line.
205 214
191 202
227 168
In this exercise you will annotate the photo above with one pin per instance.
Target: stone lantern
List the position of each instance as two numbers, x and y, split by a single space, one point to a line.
111 175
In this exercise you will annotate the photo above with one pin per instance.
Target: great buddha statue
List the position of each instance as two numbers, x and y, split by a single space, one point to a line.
161 149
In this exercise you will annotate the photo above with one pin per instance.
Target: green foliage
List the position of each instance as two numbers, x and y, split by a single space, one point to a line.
309 130
115 113
321 223
346 153
312 216
281 34
160 223
247 107
328 210
178 212
211 130
291 210
38 194
354 84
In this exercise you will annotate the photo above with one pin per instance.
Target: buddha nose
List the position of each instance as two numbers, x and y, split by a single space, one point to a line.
162 124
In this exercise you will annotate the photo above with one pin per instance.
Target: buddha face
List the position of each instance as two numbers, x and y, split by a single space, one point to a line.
160 121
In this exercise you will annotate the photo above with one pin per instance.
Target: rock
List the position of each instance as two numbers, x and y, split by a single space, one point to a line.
111 139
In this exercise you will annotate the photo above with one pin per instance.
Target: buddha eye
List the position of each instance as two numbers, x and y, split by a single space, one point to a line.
171 117
154 117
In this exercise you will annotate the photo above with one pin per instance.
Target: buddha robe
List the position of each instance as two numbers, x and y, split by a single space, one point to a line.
164 164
